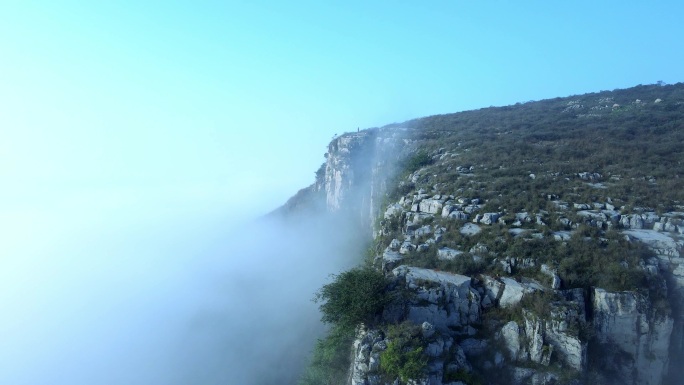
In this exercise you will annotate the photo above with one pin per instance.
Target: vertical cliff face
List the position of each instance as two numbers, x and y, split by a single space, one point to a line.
669 250
357 170
348 171
636 342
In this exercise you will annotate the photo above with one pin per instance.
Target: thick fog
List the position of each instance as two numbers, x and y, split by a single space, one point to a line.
152 291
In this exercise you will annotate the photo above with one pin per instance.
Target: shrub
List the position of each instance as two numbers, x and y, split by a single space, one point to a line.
405 363
420 159
355 296
404 356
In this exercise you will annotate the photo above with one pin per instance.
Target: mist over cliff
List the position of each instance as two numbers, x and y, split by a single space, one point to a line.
151 293
521 246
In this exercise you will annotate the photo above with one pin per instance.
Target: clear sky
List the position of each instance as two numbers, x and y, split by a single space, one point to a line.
118 117
234 98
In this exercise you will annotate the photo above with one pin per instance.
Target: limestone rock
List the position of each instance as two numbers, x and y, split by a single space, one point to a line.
489 218
641 339
513 291
366 349
393 210
431 206
470 229
459 215
447 209
407 247
445 253
442 299
492 288
428 329
510 336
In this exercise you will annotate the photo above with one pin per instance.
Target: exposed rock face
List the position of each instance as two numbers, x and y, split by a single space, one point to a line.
562 329
640 339
348 168
357 169
366 349
539 339
445 300
669 249
514 291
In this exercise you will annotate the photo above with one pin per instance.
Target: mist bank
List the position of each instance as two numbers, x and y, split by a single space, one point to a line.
149 291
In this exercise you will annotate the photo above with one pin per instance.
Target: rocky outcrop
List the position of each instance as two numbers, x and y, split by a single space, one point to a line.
447 301
366 350
540 338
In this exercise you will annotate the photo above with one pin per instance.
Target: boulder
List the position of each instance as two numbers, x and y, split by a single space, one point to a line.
447 209
510 336
445 253
459 215
670 227
636 222
514 291
489 218
407 247
393 210
492 288
431 206
428 330
470 229
423 230
414 220
662 244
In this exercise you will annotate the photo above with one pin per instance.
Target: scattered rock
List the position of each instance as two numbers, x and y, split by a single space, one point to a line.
470 229
446 253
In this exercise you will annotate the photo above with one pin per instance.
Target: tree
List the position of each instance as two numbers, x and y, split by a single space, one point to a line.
355 296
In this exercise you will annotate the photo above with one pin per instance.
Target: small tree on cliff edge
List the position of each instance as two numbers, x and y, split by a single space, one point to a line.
355 296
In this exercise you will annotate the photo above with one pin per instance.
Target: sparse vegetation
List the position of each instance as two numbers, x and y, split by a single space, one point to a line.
548 170
404 357
355 296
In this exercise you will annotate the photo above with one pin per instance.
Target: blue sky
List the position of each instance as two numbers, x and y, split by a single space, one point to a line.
132 133
227 98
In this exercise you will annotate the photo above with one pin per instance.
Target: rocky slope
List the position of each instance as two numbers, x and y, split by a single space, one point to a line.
526 245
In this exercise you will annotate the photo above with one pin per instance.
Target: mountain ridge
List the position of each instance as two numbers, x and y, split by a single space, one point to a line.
566 215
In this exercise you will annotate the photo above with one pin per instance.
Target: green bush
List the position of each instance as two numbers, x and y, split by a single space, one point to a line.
420 159
397 361
404 356
355 296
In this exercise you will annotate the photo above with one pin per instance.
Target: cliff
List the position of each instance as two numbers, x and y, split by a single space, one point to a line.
539 243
